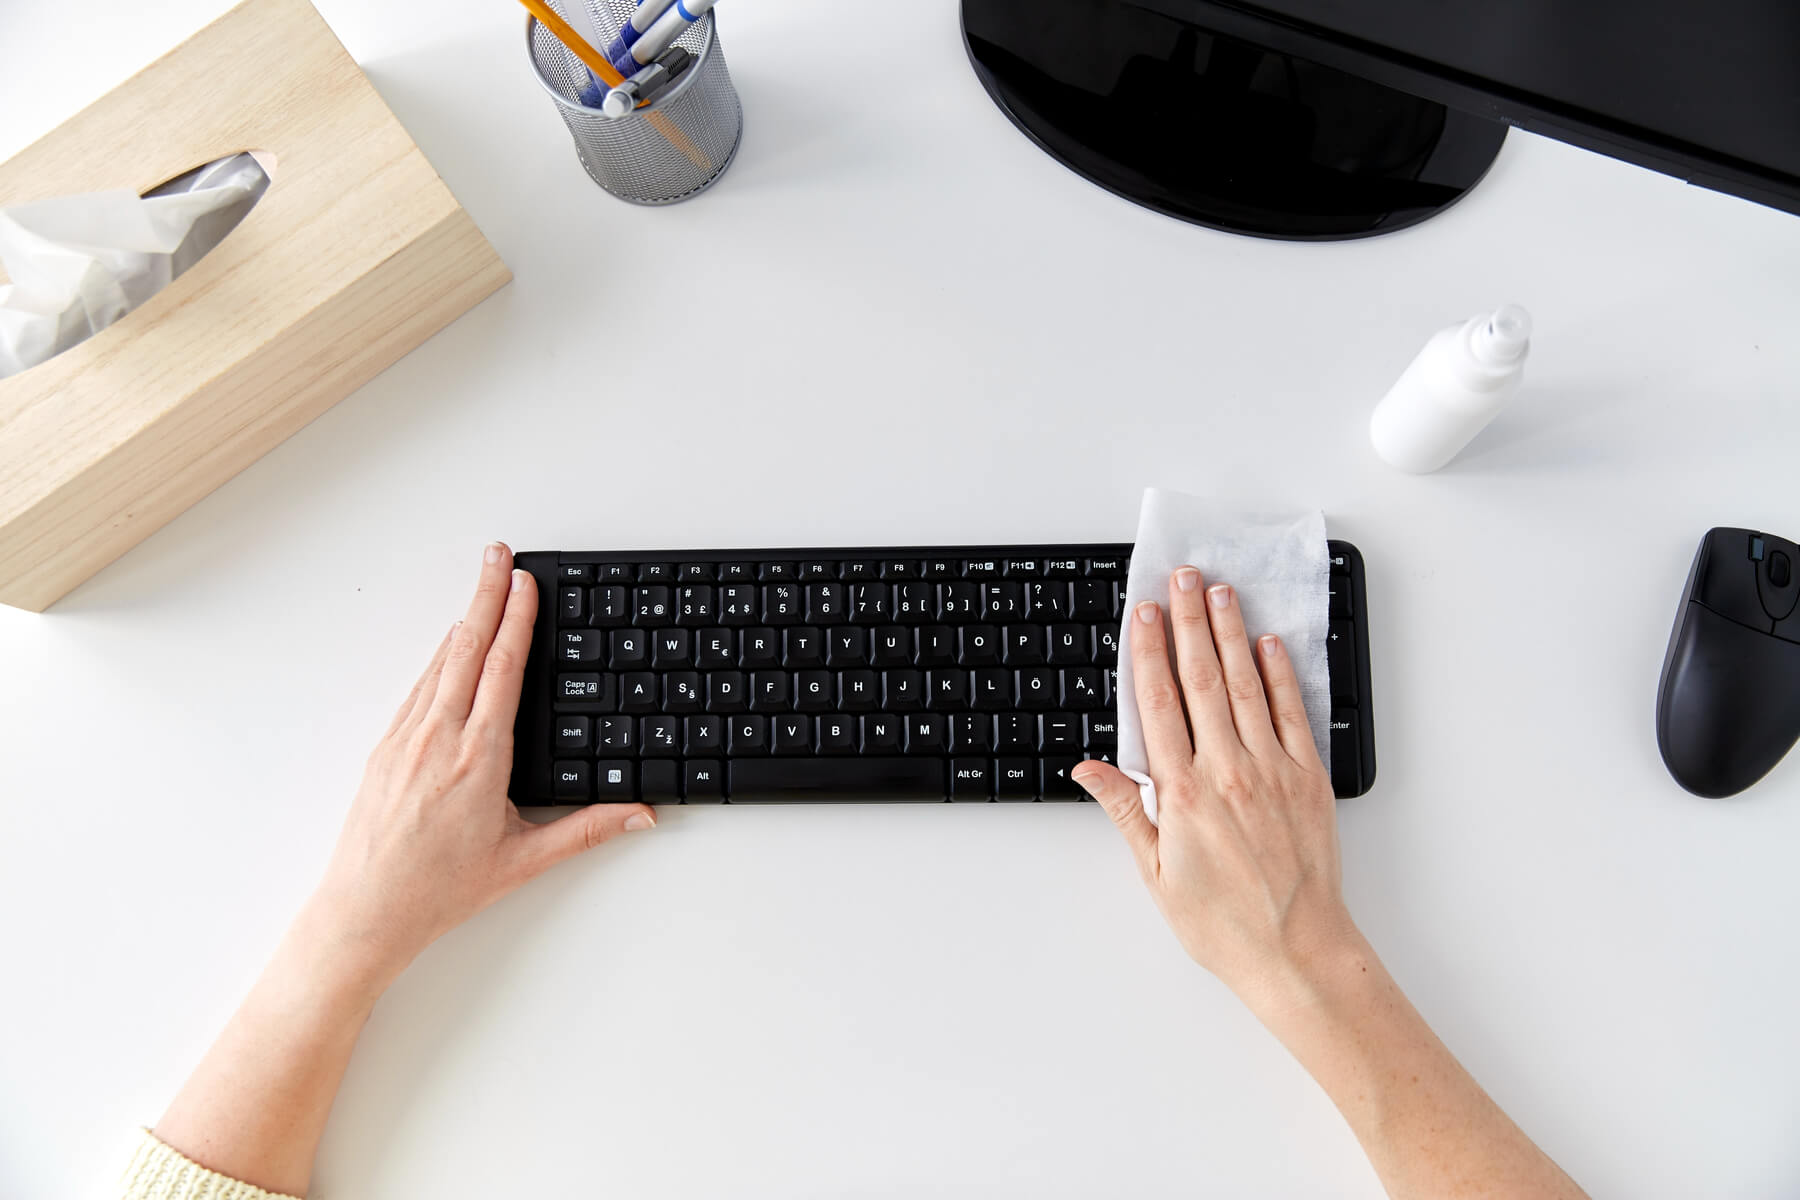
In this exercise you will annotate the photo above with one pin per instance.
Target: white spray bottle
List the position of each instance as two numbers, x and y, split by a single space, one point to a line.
1461 379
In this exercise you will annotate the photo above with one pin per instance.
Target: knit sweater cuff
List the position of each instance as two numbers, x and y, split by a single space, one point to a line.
161 1172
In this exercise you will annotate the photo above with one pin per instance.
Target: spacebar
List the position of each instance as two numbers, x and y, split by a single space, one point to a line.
770 780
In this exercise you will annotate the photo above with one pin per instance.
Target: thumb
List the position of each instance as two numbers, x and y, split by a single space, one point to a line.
551 843
1118 794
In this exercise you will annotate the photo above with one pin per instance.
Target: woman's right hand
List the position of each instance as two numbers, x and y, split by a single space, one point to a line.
1244 865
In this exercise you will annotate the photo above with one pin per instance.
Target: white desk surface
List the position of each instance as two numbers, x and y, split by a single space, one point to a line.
896 321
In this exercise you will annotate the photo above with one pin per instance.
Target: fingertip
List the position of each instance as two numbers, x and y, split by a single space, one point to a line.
1270 645
644 818
1147 612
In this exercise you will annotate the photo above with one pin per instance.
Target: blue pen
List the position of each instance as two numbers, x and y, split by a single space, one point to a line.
632 30
660 36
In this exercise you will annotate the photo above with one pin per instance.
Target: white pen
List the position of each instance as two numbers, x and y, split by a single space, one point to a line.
642 18
660 36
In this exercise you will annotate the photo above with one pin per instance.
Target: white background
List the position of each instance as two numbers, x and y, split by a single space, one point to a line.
895 321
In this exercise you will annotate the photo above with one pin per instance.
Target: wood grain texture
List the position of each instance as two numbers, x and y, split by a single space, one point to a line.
356 254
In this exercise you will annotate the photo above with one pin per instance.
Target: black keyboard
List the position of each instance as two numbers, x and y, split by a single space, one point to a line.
967 674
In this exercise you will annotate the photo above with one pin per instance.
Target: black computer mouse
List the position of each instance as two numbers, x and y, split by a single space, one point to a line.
1729 704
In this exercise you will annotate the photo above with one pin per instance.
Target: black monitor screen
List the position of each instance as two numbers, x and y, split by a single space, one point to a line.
1710 79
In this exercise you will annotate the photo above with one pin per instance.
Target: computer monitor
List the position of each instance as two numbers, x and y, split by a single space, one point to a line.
1329 119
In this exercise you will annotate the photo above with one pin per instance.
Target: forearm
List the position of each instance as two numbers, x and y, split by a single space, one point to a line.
255 1107
1428 1128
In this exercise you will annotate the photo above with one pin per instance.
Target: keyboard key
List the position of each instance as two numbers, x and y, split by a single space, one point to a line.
1062 568
1016 779
579 646
703 782
935 646
783 604
891 646
609 605
759 648
749 735
652 606
1054 782
1014 568
615 573
1339 593
769 691
737 572
1037 688
639 692
713 649
869 603
1069 644
616 735
575 573
980 645
947 691
815 691
1014 732
1106 645
902 691
1346 752
656 573
1059 732
836 735
993 689
859 691
827 604
681 692
737 604
1109 567
585 691
628 649
881 734
817 569
971 731
846 646
1102 730
659 781
1340 661
571 605
791 735
696 573
615 781
971 779
939 568
857 570
694 605
981 568
914 602
1081 688
569 782
727 692
1047 602
826 779
701 736
802 646
570 733
959 601
785 571
1024 644
671 648
1092 600
927 733
1002 602
901 568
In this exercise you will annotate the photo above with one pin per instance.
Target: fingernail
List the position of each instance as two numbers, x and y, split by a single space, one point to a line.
637 821
518 580
492 553
1146 612
1270 644
1082 781
1220 594
1187 579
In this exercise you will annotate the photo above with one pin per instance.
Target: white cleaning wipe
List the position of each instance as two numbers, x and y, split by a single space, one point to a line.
1277 565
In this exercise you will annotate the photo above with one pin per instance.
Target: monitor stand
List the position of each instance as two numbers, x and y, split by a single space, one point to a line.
1217 130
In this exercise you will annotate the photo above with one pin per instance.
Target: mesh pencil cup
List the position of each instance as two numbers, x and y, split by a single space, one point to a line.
676 146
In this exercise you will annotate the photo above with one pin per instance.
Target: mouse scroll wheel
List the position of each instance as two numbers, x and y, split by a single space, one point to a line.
1781 571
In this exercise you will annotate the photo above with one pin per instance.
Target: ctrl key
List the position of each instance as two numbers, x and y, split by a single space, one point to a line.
569 782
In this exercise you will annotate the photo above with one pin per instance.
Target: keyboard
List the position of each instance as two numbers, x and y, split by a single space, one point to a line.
962 674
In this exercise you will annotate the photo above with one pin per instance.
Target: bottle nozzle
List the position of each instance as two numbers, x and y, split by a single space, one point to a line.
1503 337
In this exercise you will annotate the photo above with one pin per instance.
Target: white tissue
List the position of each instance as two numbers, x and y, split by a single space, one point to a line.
79 263
1277 566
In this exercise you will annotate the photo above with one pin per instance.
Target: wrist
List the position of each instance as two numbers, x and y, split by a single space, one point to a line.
1316 972
336 958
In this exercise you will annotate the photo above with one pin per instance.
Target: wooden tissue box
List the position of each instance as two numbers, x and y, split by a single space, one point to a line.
356 253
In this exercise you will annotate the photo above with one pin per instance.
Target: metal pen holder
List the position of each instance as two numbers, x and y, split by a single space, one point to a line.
676 146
